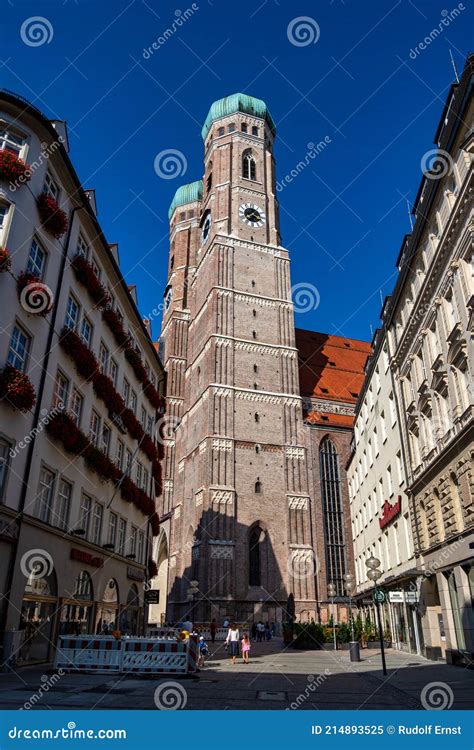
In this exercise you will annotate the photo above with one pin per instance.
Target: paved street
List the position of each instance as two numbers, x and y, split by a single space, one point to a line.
274 679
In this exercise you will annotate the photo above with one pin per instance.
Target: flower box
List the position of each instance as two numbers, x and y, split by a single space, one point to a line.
16 389
5 260
85 273
133 357
53 218
83 358
149 448
152 395
12 168
115 324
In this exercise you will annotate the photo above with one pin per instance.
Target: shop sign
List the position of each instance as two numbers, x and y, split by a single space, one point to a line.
135 574
379 596
152 596
389 512
396 597
411 597
85 557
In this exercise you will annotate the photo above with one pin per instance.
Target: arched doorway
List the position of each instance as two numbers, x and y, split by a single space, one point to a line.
38 613
157 610
107 610
76 612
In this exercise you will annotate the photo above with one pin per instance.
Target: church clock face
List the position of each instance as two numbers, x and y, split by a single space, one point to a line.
206 228
252 215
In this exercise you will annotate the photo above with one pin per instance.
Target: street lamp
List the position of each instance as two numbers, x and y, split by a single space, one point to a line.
374 573
332 594
353 645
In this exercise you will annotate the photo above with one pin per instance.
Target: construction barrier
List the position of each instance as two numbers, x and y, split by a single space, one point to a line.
126 655
97 653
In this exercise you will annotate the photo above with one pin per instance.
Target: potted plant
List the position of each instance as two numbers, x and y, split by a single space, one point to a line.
5 260
53 218
287 629
16 389
12 168
309 636
344 635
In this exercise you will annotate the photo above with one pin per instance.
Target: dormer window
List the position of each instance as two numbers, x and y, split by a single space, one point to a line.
231 127
221 131
244 127
249 168
254 130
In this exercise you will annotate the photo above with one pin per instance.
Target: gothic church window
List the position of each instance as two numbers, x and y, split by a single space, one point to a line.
249 168
333 514
255 556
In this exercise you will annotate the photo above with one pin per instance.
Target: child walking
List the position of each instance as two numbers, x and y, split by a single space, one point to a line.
245 648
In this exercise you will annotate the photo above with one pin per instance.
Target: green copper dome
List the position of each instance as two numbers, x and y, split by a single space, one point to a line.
237 103
186 194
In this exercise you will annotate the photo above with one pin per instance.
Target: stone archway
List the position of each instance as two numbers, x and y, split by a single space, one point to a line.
157 611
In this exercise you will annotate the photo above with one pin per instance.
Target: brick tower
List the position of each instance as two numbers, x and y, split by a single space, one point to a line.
236 475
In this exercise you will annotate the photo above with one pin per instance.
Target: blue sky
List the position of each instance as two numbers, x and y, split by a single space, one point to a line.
344 216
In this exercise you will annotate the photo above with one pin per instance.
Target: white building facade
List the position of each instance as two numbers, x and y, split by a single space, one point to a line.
379 504
80 383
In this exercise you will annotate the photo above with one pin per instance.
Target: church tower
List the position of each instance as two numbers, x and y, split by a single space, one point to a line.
236 474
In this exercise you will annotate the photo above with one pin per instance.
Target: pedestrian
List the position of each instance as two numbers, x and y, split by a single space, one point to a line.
254 631
203 651
245 648
260 631
268 634
226 622
213 629
273 629
232 641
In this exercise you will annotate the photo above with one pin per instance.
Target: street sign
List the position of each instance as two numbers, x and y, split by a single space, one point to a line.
379 596
396 597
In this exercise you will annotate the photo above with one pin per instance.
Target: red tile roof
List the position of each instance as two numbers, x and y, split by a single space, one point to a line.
330 368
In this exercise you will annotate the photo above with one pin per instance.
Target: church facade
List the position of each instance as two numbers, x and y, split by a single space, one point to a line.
256 514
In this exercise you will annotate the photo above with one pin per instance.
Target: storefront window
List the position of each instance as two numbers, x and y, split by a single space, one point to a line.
37 617
456 608
107 610
76 613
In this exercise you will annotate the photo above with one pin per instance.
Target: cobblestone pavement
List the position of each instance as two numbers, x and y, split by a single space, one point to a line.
276 678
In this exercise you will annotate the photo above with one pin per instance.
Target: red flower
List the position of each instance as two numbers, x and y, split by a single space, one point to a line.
5 260
149 448
85 273
83 358
104 389
52 216
115 325
152 394
132 424
12 168
16 389
133 357
63 427
101 464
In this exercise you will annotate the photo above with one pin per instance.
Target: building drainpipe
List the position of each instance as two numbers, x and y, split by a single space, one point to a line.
29 459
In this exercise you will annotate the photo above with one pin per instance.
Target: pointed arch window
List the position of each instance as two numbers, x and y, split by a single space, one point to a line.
255 541
258 486
249 168
331 492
